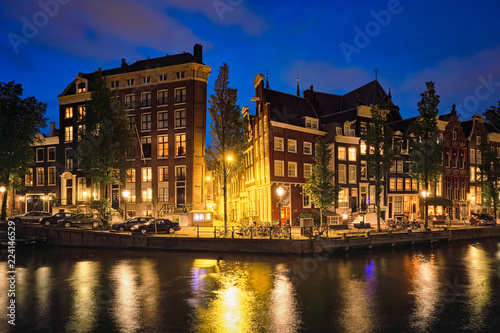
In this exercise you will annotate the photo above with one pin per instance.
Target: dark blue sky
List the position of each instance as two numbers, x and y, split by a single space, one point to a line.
335 45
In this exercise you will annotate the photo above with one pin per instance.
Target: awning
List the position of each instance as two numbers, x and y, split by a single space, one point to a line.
436 201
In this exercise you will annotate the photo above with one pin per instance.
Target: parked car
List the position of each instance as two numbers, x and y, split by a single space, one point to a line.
29 217
482 219
161 225
81 220
48 220
131 222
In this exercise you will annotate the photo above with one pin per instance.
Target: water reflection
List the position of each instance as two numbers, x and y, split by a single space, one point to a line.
479 272
84 281
43 288
241 297
126 299
357 292
425 287
150 290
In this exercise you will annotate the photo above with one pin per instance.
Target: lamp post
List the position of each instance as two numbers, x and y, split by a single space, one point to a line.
125 194
4 207
425 194
226 170
279 191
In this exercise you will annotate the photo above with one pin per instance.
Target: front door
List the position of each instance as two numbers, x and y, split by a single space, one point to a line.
115 197
181 197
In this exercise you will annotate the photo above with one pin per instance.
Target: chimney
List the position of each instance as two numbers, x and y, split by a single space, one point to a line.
124 64
52 128
198 53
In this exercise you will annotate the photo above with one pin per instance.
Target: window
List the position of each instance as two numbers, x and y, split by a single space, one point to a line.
180 145
180 118
68 159
52 176
131 122
162 146
292 169
163 193
130 101
81 187
307 170
146 146
131 176
400 184
28 178
82 112
146 122
180 95
163 97
362 128
363 171
342 153
147 175
180 75
292 146
352 174
342 173
352 154
338 130
146 80
478 157
407 184
39 155
344 198
472 174
478 140
39 176
146 99
278 144
414 185
163 174
306 200
347 127
163 77
180 173
398 205
82 87
162 120
399 166
307 149
147 194
473 156
311 123
392 184
393 168
81 131
362 147
115 84
278 168
69 112
68 134
373 194
130 82
51 154
454 136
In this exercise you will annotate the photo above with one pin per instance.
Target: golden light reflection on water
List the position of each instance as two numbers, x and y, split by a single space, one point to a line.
478 270
150 290
356 291
43 288
425 288
126 300
237 297
84 282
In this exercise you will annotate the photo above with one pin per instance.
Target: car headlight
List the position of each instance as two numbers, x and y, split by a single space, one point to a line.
134 227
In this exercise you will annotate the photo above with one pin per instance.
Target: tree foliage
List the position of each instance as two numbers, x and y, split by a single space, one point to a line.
380 151
493 115
107 142
427 148
320 186
20 121
490 176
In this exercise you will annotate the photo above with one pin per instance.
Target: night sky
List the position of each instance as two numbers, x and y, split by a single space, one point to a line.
335 45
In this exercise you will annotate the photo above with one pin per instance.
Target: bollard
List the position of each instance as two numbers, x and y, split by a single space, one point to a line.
232 232
367 234
342 235
197 231
251 232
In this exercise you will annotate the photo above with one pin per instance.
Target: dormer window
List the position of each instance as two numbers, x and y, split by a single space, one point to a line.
347 128
146 79
82 87
115 84
163 77
180 75
311 123
338 130
130 82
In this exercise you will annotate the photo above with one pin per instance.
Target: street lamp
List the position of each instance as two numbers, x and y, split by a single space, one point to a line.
425 194
279 191
125 194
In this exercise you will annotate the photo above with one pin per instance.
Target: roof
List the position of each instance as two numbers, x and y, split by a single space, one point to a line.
402 125
289 109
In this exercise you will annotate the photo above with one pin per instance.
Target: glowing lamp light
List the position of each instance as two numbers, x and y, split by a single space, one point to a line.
230 158
2 189
126 193
344 216
279 191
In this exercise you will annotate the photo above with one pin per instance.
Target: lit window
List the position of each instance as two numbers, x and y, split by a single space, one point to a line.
180 145
69 112
363 170
292 169
342 153
147 175
68 134
307 170
392 184
292 146
162 174
278 168
40 176
131 176
52 176
352 174
82 112
342 173
362 147
400 184
352 154
28 179
163 194
82 87
162 146
278 144
408 184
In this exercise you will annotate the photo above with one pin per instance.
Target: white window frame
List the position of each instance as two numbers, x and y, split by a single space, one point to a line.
342 174
307 148
351 153
352 174
308 170
292 146
277 164
279 142
342 153
43 157
292 169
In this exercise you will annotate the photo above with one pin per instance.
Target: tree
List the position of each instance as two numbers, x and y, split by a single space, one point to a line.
490 176
320 185
427 148
20 121
493 115
107 143
226 129
380 154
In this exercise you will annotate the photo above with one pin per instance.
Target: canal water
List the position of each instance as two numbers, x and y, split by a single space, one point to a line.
445 288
